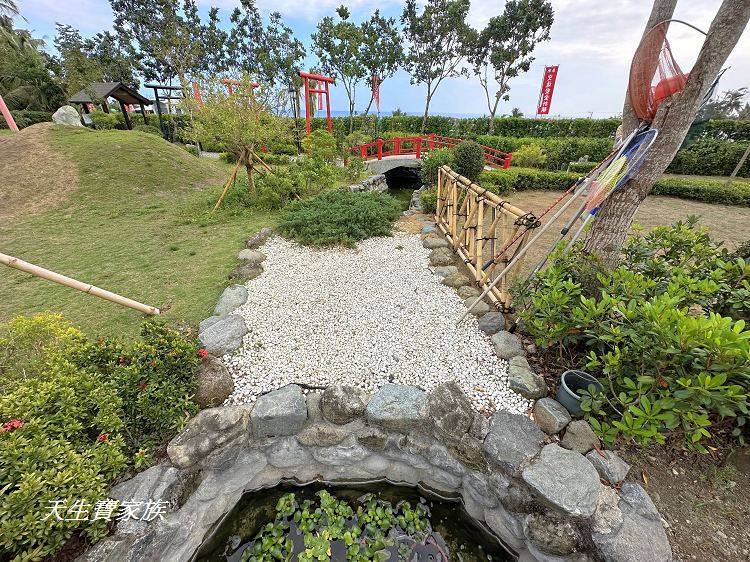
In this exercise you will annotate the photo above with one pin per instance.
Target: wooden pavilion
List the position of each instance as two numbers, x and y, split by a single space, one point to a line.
98 92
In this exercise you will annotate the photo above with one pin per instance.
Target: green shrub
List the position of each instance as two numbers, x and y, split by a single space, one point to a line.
428 199
710 157
529 156
355 168
432 162
468 159
320 144
559 151
743 250
579 167
274 159
228 157
339 217
658 332
25 118
150 129
104 121
192 149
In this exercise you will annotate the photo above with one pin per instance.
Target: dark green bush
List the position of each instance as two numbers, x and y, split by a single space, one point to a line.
150 129
658 332
722 129
320 144
579 167
104 121
432 162
25 118
709 157
428 199
468 159
339 217
559 151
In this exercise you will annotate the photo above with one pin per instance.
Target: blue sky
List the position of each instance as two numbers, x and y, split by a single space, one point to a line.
592 41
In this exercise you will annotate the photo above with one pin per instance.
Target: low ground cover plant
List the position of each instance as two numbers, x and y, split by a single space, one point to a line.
339 217
663 332
74 415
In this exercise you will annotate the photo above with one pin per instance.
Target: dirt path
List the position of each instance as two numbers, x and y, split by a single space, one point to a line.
35 176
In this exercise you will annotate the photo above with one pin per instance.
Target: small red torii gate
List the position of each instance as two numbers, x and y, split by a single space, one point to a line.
326 80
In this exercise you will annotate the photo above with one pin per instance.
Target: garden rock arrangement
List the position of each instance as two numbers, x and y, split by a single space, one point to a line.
544 502
383 312
375 183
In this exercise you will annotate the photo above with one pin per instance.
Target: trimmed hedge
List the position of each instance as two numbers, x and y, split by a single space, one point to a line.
706 190
721 129
710 157
559 150
581 167
25 118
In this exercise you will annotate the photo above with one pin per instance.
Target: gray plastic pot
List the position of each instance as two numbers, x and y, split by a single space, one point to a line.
570 383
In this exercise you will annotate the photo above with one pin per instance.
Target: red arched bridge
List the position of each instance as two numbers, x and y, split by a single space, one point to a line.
419 145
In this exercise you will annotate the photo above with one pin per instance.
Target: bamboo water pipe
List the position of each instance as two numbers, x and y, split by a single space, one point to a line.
27 267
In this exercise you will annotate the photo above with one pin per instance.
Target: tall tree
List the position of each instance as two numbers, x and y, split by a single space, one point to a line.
728 106
503 49
673 119
245 38
338 47
382 52
439 39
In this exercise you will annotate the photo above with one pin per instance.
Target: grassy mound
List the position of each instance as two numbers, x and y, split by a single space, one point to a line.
339 217
136 221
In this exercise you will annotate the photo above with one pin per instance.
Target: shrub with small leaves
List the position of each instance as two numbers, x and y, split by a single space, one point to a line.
432 162
529 156
428 199
468 159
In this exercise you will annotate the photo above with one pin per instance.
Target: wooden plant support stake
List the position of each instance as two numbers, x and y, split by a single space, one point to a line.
259 159
230 181
27 267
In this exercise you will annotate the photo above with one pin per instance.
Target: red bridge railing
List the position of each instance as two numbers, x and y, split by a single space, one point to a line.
419 145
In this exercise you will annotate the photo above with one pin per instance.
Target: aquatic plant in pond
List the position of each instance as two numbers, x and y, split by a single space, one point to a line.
394 523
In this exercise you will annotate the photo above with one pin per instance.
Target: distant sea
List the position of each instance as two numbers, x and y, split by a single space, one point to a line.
335 113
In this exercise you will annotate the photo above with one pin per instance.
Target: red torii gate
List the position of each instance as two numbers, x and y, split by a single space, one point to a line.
326 80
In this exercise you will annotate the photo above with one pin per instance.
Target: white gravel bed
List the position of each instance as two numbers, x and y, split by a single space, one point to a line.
362 317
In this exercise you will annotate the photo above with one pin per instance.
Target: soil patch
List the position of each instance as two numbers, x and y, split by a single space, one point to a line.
35 176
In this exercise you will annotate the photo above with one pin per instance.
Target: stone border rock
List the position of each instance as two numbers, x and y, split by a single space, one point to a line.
544 502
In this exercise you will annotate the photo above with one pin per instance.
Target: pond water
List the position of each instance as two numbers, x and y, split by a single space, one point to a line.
377 522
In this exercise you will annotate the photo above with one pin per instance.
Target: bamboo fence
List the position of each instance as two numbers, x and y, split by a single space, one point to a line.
478 224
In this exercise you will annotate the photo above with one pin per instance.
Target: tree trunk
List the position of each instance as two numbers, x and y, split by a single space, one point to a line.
249 169
662 10
369 105
673 120
426 110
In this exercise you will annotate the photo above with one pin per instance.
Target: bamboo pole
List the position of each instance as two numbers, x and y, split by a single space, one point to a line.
230 181
27 267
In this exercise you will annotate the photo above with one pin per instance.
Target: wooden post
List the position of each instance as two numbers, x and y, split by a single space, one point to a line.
143 112
105 106
328 110
379 144
419 147
27 267
8 116
125 115
479 247
307 106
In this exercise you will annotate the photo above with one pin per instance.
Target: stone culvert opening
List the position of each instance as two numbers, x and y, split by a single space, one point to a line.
403 178
544 502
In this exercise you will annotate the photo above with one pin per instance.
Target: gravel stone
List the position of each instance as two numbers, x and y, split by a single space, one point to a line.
512 441
397 407
507 345
564 480
441 256
433 242
341 404
579 437
550 415
492 322
232 297
223 336
362 317
610 466
281 412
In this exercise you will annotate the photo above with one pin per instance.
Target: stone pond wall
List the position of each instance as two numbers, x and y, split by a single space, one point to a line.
541 496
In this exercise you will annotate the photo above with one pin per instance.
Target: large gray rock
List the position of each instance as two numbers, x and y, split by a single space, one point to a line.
444 271
426 229
157 484
397 407
259 238
286 453
492 323
278 413
377 183
224 335
214 383
507 345
609 465
341 404
634 533
433 242
523 380
207 323
441 256
550 415
205 432
246 272
478 309
564 480
456 280
345 453
513 440
450 410
251 256
467 292
67 115
232 297
579 437
322 434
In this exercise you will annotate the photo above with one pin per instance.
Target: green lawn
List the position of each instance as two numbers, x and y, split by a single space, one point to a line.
4 132
139 224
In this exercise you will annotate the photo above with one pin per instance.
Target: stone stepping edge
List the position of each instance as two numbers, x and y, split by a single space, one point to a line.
543 501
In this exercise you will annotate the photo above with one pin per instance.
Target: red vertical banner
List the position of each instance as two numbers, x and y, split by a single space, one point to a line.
548 87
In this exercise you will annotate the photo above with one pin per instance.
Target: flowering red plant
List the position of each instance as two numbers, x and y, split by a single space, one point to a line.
102 437
11 425
203 353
